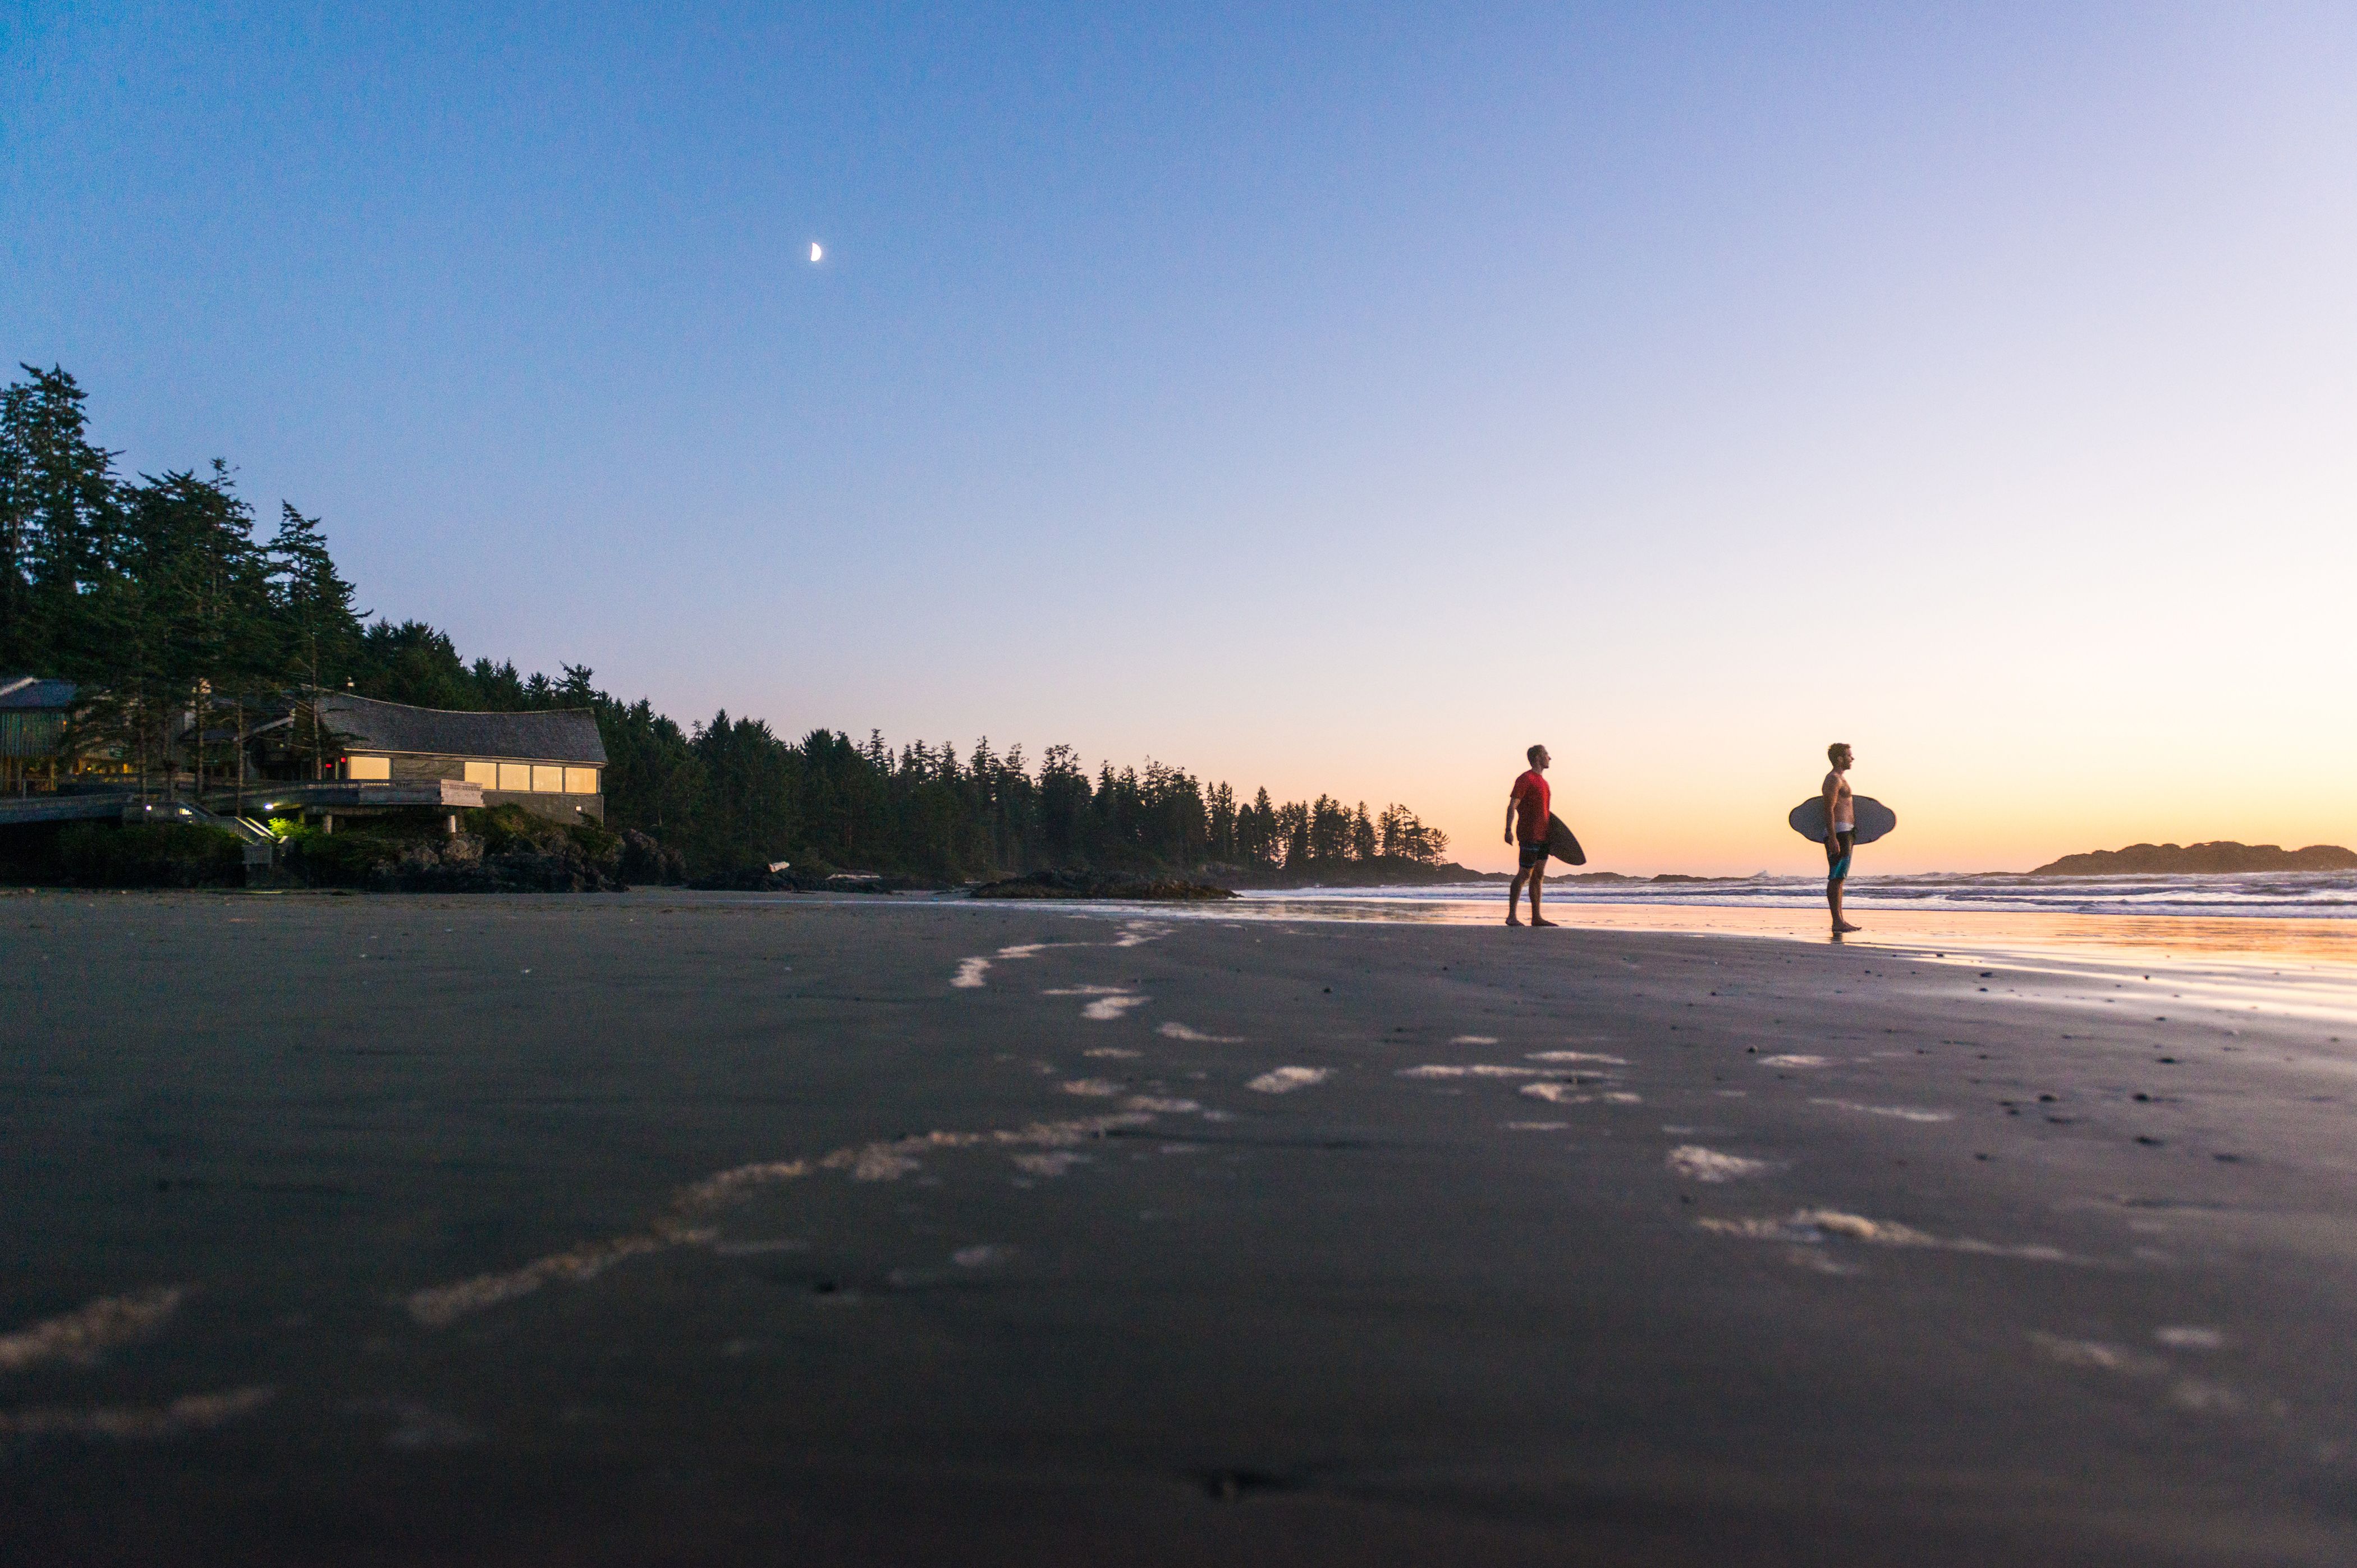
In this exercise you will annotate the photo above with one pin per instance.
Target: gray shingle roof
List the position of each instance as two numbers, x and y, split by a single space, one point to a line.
549 734
32 691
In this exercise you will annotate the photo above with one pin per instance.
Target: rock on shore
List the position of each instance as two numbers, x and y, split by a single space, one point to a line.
1098 885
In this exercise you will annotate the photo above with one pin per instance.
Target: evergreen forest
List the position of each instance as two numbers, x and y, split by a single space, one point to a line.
158 593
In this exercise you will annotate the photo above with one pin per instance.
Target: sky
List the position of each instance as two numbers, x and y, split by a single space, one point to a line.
1328 398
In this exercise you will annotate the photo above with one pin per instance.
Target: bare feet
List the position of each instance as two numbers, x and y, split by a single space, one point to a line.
1512 921
1536 921
1845 926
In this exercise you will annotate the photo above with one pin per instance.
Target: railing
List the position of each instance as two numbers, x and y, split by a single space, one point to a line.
227 811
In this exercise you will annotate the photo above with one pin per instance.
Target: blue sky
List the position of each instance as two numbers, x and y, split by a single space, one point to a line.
1337 398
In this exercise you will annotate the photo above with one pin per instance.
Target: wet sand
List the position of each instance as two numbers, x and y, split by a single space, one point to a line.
658 1230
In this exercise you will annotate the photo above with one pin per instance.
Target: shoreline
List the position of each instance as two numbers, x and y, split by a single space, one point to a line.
2316 956
2240 941
2319 954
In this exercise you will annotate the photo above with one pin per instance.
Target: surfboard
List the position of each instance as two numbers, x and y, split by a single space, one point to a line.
1563 844
1874 818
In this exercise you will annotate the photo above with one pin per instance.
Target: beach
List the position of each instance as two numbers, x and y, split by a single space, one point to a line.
714 1228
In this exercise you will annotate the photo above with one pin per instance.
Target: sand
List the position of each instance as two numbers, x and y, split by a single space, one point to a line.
646 1229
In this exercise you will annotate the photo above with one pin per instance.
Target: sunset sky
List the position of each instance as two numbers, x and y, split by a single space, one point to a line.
1340 400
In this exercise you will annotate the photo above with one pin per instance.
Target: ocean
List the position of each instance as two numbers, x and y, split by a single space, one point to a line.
2314 895
2284 943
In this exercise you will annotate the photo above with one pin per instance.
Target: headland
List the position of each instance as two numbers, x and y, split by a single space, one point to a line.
2219 857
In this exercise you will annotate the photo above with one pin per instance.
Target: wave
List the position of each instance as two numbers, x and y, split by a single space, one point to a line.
2310 895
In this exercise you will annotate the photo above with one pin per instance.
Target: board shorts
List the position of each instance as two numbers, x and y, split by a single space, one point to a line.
1534 855
1838 854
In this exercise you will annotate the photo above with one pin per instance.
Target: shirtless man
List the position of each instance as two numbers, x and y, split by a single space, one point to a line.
1841 834
1526 824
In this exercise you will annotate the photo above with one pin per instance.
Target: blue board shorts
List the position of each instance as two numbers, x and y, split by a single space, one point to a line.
1534 855
1838 849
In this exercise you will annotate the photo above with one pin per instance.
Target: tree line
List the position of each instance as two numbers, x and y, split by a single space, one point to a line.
158 596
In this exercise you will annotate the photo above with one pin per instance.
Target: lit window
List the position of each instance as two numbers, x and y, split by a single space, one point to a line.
487 774
368 768
581 782
515 776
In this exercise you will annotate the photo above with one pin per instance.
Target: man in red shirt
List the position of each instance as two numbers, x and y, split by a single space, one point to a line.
1526 824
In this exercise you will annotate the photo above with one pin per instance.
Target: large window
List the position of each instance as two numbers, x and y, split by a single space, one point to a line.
369 768
534 778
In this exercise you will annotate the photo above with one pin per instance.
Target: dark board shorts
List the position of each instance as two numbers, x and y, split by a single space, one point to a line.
1534 855
1838 854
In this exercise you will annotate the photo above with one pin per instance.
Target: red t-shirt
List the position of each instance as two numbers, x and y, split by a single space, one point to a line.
1530 798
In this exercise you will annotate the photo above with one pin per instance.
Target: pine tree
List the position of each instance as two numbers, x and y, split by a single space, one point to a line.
157 597
1292 834
1261 841
1220 825
59 524
319 632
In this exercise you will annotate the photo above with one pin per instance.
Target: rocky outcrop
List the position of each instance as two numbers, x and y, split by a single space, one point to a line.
1386 870
464 864
1099 885
157 854
808 879
647 861
505 850
2221 855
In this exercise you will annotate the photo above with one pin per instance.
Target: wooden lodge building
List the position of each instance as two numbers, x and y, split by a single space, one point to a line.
33 715
361 758
550 761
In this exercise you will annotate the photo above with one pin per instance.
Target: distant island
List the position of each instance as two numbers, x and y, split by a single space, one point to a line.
2223 855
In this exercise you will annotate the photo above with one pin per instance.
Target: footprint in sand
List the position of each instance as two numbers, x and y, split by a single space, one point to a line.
2188 1337
2199 1396
1566 1094
1813 1226
1112 1001
1696 1162
192 1413
1196 1036
971 970
1900 1112
1285 1079
80 1336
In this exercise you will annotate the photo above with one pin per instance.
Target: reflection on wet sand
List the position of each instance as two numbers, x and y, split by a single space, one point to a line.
2271 944
2303 968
